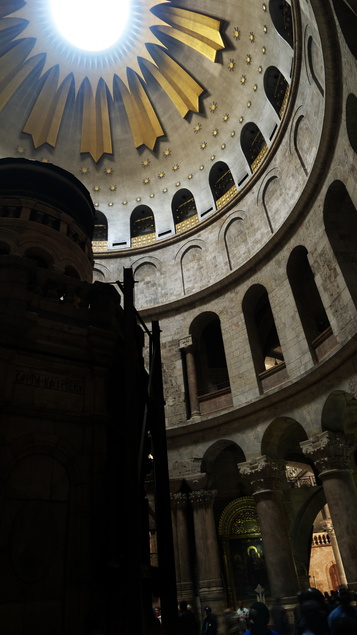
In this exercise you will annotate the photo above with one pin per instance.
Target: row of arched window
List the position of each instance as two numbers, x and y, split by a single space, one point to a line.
266 349
268 356
221 182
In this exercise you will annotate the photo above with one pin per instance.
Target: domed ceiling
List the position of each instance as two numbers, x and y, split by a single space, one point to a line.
180 91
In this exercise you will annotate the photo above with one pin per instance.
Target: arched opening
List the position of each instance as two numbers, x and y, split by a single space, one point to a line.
220 464
310 308
71 272
351 120
263 337
340 218
280 12
213 387
4 249
184 210
312 58
301 129
100 233
282 438
142 226
39 256
253 145
339 413
242 549
222 184
326 569
276 89
347 21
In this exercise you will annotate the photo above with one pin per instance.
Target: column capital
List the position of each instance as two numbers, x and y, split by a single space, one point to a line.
179 500
330 450
202 498
186 343
263 473
328 527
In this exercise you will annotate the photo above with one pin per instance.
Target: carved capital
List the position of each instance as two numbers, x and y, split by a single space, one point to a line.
178 500
330 450
202 498
186 343
263 473
328 527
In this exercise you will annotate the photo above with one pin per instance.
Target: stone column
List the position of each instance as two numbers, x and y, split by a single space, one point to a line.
267 480
186 345
209 568
184 582
331 453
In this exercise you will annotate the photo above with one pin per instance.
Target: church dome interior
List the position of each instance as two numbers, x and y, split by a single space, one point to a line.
209 149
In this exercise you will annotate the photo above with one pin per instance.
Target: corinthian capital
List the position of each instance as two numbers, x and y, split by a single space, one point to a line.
330 450
263 473
178 500
328 526
202 498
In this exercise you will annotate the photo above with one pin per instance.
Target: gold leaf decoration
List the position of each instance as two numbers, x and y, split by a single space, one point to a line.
96 131
196 30
182 89
33 44
144 123
45 119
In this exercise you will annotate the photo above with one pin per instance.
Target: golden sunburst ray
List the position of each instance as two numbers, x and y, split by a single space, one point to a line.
199 31
182 89
144 123
15 68
48 109
37 45
96 129
37 24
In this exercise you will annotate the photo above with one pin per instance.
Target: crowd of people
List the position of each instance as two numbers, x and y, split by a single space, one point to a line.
315 613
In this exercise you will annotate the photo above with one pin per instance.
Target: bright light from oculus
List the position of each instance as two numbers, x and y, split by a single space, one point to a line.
91 25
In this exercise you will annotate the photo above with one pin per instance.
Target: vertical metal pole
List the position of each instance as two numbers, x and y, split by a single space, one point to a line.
134 609
165 544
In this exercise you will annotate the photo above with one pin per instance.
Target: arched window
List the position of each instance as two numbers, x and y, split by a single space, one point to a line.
347 20
276 89
100 227
253 145
264 341
351 120
142 226
280 12
184 210
222 184
205 366
340 218
4 249
211 365
41 257
71 272
312 312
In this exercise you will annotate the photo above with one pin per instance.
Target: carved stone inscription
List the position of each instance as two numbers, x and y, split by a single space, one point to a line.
49 382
